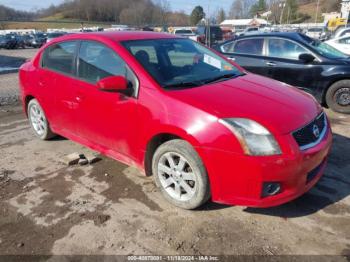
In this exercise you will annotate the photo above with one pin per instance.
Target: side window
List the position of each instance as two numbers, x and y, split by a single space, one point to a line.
283 48
60 57
96 61
344 40
228 47
251 46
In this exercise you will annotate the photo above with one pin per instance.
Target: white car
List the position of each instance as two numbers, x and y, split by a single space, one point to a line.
184 32
342 32
314 32
342 44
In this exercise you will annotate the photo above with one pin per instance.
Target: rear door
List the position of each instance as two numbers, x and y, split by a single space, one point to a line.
248 53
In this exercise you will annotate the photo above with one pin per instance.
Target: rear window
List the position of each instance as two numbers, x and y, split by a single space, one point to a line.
252 46
60 57
183 32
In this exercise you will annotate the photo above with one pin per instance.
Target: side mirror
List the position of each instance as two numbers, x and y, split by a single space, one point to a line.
306 58
114 84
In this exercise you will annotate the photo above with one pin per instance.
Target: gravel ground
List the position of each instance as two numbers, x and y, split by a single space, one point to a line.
108 208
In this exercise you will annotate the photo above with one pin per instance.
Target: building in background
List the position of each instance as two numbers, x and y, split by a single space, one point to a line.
239 24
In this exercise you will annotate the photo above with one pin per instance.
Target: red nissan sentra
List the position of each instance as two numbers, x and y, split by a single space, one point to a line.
197 122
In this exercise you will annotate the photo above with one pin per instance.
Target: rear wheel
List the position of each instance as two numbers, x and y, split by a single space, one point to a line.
180 174
38 120
338 96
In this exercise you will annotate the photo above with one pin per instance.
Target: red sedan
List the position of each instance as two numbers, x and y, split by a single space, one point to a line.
197 122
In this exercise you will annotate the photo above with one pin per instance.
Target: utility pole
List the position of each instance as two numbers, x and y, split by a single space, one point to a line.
317 7
283 4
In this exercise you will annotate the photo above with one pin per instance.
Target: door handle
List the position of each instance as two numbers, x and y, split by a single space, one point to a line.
271 64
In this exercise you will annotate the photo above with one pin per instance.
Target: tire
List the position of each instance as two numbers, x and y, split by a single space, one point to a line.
338 96
170 176
38 121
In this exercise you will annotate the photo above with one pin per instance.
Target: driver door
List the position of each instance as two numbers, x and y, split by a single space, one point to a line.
104 118
282 63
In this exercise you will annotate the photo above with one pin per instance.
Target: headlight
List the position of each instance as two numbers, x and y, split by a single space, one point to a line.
255 139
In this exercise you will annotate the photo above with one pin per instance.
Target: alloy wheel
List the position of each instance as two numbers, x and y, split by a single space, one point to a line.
177 176
37 119
342 96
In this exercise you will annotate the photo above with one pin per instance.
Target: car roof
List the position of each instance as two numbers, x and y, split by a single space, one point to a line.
290 35
119 36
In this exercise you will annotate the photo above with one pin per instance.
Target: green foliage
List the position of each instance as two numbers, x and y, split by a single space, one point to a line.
258 7
197 15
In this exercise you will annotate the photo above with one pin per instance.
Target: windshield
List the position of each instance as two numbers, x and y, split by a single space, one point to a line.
180 62
323 48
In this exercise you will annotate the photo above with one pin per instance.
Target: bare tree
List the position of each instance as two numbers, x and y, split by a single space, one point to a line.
236 10
220 16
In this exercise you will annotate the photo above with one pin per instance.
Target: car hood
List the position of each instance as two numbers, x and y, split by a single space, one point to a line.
278 106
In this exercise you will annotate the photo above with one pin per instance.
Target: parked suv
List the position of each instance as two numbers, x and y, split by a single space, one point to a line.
211 34
201 125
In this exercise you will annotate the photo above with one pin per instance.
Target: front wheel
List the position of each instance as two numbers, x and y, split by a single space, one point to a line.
180 174
38 120
338 97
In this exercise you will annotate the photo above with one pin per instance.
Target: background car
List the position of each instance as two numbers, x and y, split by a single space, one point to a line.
8 41
342 32
342 44
209 34
314 32
51 36
184 32
298 60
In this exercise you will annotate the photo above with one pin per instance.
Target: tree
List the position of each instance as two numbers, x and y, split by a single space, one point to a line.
290 13
161 12
221 16
197 15
259 7
236 10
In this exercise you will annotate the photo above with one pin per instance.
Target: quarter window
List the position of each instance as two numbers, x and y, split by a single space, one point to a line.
96 61
228 47
251 46
60 57
282 48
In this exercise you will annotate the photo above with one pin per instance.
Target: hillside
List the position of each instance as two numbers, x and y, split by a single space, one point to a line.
309 7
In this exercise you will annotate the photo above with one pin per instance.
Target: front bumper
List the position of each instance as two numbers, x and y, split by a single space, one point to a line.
238 179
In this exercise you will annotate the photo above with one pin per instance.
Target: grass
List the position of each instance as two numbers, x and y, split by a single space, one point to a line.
54 22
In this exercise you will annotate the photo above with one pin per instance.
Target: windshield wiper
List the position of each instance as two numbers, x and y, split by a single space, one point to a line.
184 84
222 77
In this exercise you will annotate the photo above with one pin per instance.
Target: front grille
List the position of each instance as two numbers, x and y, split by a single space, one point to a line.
311 134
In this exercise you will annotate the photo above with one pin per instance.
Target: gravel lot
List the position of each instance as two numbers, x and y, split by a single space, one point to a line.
109 208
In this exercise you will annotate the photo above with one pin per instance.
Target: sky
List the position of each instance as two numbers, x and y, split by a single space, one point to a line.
176 5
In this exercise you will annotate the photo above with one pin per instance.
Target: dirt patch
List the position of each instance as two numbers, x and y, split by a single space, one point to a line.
120 187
